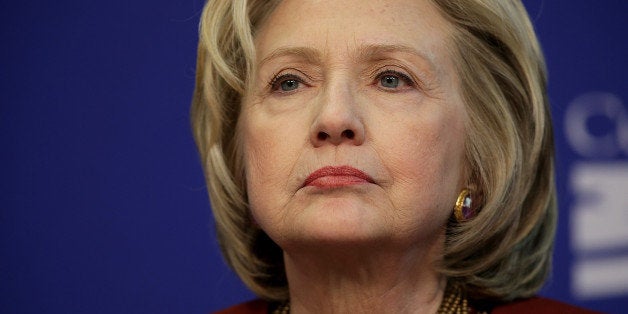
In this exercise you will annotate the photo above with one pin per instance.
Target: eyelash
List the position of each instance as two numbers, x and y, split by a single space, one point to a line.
277 79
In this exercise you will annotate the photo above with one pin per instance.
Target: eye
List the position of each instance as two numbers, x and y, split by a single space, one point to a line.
389 81
289 85
394 80
285 83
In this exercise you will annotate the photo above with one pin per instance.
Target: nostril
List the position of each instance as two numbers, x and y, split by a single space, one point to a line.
348 134
322 136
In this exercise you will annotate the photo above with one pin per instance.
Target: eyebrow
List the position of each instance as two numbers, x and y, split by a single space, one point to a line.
376 51
308 54
367 52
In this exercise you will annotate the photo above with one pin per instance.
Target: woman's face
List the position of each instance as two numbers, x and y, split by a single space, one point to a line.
353 126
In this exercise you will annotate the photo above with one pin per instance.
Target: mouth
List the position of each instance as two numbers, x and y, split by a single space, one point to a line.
334 177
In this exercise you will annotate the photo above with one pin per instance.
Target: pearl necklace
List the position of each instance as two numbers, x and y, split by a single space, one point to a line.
455 303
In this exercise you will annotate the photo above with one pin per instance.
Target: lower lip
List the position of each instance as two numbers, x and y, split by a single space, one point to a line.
329 182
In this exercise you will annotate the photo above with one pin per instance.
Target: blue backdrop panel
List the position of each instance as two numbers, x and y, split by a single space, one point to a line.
103 207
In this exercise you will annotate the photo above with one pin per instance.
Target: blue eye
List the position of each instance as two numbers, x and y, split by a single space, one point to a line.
285 83
389 81
289 85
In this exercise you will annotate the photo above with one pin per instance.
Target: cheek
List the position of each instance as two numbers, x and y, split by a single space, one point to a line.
269 156
262 160
259 163
424 157
259 146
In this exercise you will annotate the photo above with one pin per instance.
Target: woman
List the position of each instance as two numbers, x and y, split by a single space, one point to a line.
378 156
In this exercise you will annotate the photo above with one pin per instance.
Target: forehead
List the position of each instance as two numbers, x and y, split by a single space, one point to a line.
337 28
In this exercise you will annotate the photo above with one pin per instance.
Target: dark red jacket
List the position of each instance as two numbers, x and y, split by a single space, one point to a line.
536 305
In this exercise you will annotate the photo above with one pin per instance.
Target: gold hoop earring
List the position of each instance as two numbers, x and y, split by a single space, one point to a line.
463 209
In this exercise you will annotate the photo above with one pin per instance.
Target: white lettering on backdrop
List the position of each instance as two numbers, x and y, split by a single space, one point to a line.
596 127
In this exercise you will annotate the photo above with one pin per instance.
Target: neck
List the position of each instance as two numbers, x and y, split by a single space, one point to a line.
350 279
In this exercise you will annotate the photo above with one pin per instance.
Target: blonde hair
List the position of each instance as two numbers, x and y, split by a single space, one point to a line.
504 252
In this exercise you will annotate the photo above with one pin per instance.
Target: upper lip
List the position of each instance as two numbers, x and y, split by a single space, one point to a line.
337 171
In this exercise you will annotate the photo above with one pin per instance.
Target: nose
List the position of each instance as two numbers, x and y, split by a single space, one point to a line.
338 119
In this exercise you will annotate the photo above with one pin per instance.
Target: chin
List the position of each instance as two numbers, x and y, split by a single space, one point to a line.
339 221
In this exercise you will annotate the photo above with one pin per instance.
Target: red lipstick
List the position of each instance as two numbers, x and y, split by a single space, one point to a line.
333 177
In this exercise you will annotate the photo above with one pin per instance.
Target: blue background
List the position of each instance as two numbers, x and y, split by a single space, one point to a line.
103 207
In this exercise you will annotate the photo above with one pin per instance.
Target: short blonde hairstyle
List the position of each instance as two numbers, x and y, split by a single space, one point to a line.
505 251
